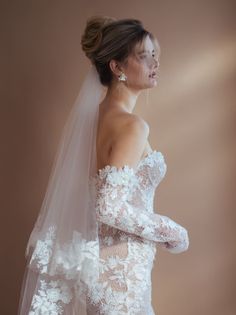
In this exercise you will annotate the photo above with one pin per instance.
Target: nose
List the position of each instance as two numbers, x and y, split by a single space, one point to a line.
157 63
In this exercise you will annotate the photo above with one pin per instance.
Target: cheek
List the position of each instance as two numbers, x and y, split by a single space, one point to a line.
140 72
147 62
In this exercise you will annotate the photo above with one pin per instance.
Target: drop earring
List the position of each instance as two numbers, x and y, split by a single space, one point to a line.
122 77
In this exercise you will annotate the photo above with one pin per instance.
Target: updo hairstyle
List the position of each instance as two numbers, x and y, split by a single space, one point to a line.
106 38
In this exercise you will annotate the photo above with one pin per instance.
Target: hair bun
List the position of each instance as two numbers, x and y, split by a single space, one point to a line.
92 36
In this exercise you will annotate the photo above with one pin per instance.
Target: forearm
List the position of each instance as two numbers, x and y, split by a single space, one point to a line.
151 226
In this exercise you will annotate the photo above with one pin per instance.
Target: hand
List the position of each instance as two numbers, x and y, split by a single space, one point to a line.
176 247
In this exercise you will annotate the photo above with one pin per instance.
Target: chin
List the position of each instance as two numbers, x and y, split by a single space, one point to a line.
146 85
151 84
154 84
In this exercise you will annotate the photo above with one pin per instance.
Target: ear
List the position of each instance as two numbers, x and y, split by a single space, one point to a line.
115 67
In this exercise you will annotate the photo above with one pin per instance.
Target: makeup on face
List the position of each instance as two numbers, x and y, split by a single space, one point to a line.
148 57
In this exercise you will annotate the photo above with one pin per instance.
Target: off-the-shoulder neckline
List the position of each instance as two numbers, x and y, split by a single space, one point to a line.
128 167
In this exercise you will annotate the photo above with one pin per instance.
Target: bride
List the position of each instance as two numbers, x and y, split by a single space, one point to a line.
94 242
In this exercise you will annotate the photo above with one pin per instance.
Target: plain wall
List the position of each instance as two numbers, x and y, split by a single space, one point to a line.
191 114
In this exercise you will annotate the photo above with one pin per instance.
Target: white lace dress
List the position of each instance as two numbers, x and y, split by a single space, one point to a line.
129 231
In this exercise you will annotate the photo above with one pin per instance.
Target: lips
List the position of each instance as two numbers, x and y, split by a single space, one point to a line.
153 74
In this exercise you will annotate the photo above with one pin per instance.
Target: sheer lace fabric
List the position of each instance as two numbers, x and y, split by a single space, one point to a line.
128 232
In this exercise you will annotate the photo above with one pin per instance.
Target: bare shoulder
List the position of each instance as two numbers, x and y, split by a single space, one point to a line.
129 143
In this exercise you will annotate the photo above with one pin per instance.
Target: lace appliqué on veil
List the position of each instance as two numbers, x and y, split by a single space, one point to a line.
50 298
77 257
76 261
43 250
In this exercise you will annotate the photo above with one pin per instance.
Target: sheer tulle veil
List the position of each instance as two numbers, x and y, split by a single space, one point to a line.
63 248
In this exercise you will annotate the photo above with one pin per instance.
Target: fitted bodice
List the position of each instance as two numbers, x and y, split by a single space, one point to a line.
127 189
149 173
145 177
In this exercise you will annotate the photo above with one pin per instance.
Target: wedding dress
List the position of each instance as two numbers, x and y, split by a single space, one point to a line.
93 254
129 231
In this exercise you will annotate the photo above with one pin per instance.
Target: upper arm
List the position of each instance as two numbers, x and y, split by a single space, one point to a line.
128 147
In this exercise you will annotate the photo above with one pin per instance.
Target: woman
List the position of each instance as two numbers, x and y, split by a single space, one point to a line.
93 254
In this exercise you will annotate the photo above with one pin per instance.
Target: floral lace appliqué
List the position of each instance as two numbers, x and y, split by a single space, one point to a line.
128 232
43 250
69 259
50 298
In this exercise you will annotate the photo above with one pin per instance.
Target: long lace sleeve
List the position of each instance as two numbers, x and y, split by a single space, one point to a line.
117 207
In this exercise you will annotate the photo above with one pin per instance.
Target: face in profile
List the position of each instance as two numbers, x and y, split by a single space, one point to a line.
142 65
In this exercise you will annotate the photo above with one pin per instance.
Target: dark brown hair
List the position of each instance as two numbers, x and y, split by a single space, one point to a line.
106 38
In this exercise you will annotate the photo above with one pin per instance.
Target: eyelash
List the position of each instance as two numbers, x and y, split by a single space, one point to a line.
146 55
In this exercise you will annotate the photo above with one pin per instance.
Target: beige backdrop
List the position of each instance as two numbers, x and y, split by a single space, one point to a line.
192 121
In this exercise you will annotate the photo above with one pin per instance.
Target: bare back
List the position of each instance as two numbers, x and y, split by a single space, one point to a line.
114 128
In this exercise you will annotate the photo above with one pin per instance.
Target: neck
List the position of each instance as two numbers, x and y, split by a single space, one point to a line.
118 94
